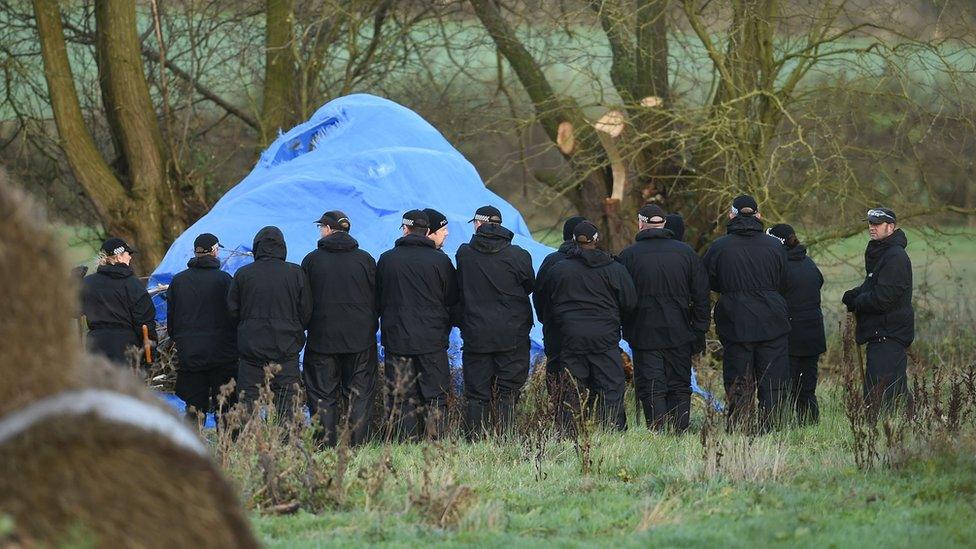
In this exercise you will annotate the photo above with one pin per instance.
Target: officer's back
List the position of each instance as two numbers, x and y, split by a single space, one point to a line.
271 301
749 269
197 315
672 290
495 279
417 287
589 293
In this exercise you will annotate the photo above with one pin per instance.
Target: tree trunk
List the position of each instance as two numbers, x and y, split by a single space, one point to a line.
278 110
143 207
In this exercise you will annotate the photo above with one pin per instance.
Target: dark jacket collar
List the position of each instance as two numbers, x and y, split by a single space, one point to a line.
745 225
591 258
491 238
651 234
796 253
119 270
566 247
204 262
877 248
339 241
415 240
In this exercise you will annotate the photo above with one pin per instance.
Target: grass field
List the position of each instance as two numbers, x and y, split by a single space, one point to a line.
799 487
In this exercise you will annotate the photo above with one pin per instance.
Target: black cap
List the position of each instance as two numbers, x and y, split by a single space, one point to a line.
204 243
115 246
877 216
781 231
744 205
676 224
436 219
570 225
650 213
416 219
336 220
586 232
487 214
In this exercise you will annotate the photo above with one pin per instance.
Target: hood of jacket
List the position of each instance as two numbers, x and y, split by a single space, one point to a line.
591 258
877 248
415 240
745 225
203 262
652 234
269 243
796 253
339 241
119 270
491 238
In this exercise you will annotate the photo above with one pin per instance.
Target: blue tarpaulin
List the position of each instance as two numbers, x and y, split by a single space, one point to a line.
367 156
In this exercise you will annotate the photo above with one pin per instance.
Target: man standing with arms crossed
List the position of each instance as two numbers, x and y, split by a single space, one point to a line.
749 269
340 356
495 279
672 315
882 305
417 287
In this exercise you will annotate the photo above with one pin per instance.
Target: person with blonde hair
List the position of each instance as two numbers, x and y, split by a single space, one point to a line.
116 304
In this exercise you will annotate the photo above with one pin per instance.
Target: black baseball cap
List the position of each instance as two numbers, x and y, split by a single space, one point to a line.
877 216
115 246
744 205
436 219
781 231
487 214
416 218
650 213
586 232
204 243
335 219
570 225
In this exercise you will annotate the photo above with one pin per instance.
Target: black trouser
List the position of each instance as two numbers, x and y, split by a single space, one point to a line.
886 379
417 384
200 390
761 367
596 376
284 385
500 375
351 375
112 343
803 378
662 381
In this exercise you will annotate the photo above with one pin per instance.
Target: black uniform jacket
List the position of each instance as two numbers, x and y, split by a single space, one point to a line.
883 305
588 295
197 318
271 302
495 279
417 288
749 269
672 292
344 309
116 304
803 283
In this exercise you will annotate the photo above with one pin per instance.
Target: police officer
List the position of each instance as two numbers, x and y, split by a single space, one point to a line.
882 305
271 304
550 336
340 356
495 279
749 269
116 304
199 324
672 315
807 339
417 288
588 295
